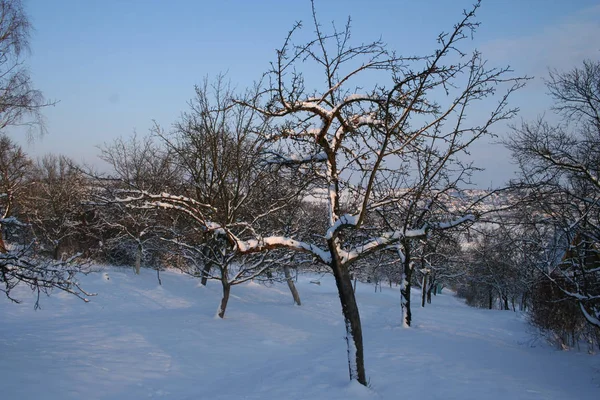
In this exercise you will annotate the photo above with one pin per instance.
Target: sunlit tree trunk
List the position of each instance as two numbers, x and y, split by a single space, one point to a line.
354 340
405 286
424 290
291 285
226 291
138 259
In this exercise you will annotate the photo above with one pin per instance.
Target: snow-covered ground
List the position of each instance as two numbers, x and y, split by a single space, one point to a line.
137 340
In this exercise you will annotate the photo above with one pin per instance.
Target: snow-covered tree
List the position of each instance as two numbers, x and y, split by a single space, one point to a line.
15 168
361 145
133 234
228 191
22 259
41 209
21 104
498 273
441 263
53 205
560 181
367 144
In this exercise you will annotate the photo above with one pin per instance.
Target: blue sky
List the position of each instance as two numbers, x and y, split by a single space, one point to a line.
114 66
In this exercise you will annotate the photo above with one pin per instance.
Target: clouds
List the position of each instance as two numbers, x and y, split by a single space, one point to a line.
560 46
560 43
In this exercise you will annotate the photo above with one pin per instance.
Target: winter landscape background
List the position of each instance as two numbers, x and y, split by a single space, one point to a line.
305 211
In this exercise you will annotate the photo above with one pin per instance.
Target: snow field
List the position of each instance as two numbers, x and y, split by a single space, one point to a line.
138 340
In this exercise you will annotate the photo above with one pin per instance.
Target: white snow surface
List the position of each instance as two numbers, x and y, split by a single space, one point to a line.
137 340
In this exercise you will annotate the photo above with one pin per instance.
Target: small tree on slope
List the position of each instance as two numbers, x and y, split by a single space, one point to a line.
227 192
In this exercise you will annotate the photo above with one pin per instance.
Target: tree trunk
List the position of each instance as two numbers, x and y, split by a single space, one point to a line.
290 282
5 214
424 290
523 305
225 299
2 245
56 252
205 272
430 288
354 341
405 279
491 300
138 259
206 253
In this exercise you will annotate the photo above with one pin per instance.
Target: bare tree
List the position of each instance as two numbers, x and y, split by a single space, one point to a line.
560 177
15 168
20 102
227 191
498 273
361 144
53 205
430 195
441 263
231 268
369 141
140 164
46 207
216 145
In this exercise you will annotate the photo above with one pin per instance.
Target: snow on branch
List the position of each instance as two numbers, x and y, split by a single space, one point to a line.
366 120
346 220
310 106
594 320
391 237
274 242
22 266
358 97
136 195
140 199
295 159
382 241
456 222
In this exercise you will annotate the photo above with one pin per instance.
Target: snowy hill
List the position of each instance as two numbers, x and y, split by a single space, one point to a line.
137 340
